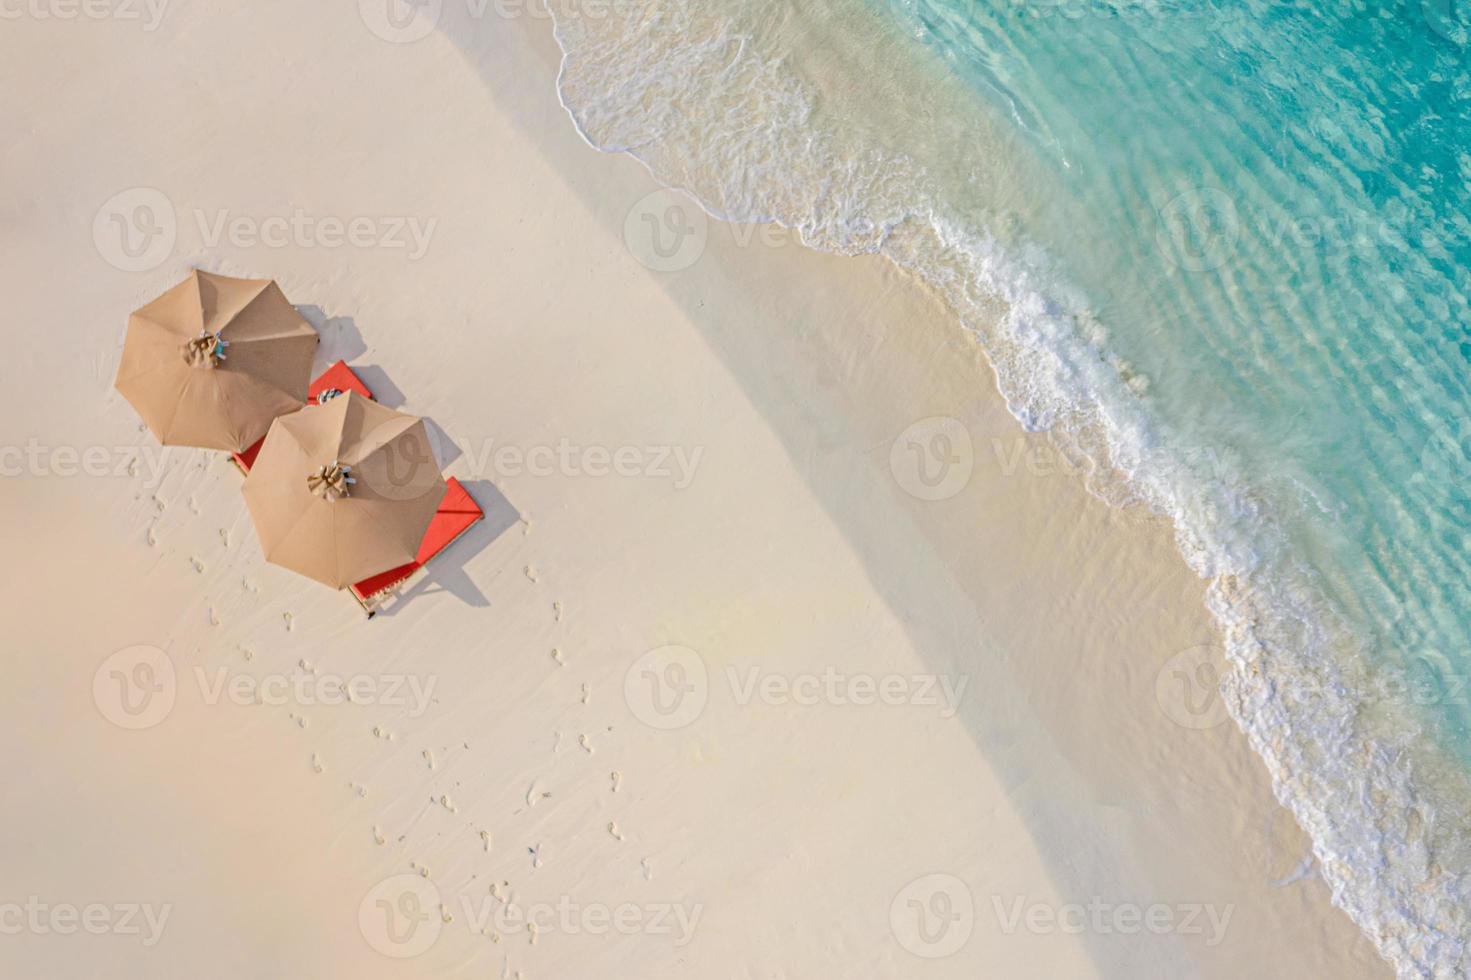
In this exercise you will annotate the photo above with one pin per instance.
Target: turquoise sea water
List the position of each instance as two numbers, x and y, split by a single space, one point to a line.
1220 248
1267 206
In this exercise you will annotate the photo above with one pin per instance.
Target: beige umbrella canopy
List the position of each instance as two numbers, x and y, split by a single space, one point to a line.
344 490
212 361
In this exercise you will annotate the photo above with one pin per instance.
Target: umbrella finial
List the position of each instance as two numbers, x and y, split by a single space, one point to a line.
331 482
206 351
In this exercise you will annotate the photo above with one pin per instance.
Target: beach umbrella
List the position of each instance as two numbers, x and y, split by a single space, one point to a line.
212 361
343 491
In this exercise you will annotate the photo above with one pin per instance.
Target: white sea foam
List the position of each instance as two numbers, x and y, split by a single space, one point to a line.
700 100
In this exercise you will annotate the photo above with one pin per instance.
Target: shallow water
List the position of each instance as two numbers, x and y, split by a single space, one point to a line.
1220 249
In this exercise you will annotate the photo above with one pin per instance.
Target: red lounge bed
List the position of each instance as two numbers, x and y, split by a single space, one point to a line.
457 511
338 376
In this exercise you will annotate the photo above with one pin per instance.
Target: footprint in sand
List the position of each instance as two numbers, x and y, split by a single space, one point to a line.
534 795
249 585
614 831
288 619
429 759
152 538
648 871
535 853
557 611
380 732
586 694
214 619
586 744
444 801
530 572
304 665
557 656
247 653
615 777
317 765
485 837
224 537
378 837
193 504
198 565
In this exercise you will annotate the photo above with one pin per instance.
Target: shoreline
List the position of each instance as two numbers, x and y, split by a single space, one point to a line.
801 544
1286 669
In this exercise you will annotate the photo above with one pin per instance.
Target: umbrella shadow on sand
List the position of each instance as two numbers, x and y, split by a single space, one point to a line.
385 392
446 573
340 338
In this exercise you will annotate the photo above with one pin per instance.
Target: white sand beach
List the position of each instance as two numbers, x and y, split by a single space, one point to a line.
783 652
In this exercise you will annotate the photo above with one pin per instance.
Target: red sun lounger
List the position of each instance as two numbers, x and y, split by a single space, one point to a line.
457 513
338 377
